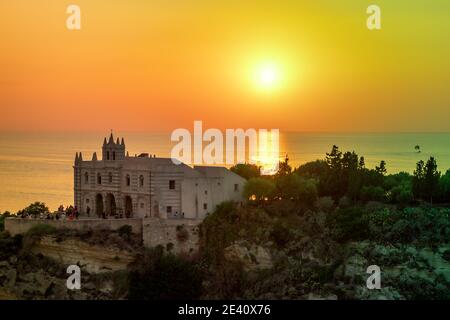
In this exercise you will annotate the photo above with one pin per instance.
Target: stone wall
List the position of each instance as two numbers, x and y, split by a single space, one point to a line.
18 225
175 235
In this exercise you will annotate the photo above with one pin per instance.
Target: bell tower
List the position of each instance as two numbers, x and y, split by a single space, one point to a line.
113 151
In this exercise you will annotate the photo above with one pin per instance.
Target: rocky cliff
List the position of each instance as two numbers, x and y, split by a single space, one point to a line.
91 258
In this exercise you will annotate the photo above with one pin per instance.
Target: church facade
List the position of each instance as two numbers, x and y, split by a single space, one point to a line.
147 186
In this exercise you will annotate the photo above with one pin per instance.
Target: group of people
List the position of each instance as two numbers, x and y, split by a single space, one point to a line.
69 213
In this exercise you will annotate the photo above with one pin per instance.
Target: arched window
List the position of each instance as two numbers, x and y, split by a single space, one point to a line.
99 178
107 155
114 155
110 177
86 178
128 180
141 181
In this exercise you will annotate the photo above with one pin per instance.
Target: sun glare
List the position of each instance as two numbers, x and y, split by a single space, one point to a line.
267 76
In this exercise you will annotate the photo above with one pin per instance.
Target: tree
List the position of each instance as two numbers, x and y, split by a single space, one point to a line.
355 183
284 168
2 219
371 193
34 209
417 148
317 170
349 162
426 180
431 179
361 163
381 169
444 187
246 170
334 158
417 181
286 186
401 194
306 190
258 189
334 184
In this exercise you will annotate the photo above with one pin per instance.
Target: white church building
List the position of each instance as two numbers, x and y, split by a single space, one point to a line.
146 186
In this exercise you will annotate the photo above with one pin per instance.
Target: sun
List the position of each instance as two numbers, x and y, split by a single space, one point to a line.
267 76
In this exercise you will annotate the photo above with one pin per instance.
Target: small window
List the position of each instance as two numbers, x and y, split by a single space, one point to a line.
141 181
107 155
99 178
236 187
171 184
169 209
110 177
87 200
205 206
206 191
142 205
86 178
128 180
218 183
114 155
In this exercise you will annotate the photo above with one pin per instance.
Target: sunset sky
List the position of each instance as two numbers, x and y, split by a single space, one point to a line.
158 65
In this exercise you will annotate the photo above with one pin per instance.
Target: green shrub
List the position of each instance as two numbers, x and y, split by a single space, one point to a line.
182 233
2 223
258 189
227 224
159 276
324 203
34 209
41 229
125 231
446 255
36 232
427 226
371 193
349 224
169 246
281 234
3 216
9 245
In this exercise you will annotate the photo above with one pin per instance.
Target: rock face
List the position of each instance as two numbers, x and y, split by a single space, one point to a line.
45 279
33 284
175 236
93 259
253 257
407 272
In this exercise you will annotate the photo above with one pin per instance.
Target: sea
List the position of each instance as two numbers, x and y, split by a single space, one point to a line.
39 166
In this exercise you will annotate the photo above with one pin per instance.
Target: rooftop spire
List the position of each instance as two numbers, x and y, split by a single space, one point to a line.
123 142
111 138
94 156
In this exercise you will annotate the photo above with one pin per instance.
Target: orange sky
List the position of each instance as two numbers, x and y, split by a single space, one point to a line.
159 65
